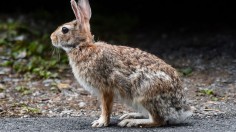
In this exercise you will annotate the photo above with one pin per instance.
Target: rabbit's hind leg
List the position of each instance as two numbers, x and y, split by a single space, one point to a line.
132 116
152 121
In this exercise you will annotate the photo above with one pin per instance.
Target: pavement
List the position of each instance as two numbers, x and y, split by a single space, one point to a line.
83 124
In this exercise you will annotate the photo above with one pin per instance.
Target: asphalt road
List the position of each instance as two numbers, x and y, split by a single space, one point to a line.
77 124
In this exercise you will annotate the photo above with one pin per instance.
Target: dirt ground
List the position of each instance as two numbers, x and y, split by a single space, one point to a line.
206 63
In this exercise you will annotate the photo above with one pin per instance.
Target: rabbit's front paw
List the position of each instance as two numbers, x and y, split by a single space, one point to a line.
101 122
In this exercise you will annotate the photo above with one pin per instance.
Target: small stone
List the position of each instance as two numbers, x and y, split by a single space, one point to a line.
36 93
2 95
16 80
82 104
66 112
77 114
21 55
1 86
26 116
20 38
4 71
47 81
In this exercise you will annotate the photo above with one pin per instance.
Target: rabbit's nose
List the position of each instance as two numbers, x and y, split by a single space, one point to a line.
53 39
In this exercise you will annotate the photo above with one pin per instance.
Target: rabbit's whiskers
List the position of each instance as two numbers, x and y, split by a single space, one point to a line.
53 50
58 54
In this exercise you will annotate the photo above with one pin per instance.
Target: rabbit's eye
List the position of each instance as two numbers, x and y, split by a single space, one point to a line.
64 30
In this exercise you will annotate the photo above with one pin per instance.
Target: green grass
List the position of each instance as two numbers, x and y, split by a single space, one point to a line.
210 93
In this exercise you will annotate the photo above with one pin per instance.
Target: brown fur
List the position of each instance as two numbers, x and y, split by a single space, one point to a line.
140 79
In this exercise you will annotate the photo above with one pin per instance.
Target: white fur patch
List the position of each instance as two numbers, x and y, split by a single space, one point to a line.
151 75
82 81
67 49
162 75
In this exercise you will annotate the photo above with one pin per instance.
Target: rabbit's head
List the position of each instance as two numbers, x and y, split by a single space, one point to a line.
72 34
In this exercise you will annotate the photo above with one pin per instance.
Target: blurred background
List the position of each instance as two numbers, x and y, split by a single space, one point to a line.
125 22
195 37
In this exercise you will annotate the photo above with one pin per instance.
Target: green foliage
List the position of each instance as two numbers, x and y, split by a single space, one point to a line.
214 99
1 90
207 91
27 109
210 93
186 71
6 63
31 110
3 41
23 90
28 49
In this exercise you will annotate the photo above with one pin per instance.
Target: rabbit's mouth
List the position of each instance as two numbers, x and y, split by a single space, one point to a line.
55 44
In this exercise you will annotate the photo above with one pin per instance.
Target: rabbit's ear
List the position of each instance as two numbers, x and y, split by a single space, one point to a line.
76 11
85 7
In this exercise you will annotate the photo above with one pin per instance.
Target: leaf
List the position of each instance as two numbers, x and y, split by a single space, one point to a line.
26 92
23 90
207 91
1 90
6 63
214 99
31 109
18 88
3 41
55 90
186 71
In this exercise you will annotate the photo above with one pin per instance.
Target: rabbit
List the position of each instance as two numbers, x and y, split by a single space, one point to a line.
135 77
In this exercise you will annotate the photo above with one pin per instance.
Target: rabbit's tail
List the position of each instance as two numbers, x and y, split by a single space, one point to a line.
179 116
